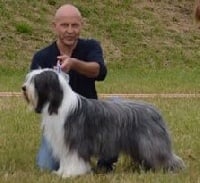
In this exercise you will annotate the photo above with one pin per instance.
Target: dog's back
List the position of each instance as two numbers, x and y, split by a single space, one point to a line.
106 128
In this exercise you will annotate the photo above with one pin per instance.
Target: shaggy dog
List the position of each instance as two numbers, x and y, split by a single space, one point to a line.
78 128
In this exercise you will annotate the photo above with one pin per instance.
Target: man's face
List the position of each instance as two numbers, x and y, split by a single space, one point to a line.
68 29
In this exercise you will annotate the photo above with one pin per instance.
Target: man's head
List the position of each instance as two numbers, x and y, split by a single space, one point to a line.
67 24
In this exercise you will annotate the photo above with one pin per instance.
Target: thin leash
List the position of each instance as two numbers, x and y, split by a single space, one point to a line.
57 68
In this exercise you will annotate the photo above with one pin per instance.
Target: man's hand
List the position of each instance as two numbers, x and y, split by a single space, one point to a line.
88 69
66 62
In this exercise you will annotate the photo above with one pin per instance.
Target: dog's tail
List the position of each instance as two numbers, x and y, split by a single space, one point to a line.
175 164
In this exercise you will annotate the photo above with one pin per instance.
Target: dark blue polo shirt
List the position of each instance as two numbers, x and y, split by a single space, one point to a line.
87 50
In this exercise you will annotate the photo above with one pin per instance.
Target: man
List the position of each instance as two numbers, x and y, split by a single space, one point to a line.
82 59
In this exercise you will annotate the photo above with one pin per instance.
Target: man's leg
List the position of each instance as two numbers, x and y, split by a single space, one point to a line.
45 159
106 164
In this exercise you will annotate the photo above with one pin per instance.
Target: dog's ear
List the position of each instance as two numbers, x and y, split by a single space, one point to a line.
49 91
55 91
55 98
41 92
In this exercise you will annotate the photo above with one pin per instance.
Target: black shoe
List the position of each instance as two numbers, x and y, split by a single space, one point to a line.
106 165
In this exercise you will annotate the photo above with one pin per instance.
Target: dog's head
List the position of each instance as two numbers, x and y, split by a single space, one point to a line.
41 88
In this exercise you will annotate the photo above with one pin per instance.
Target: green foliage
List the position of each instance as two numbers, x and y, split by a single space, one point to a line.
23 27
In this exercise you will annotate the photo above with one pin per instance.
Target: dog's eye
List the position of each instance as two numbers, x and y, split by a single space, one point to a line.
24 88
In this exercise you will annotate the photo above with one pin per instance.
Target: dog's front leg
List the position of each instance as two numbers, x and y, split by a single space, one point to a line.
59 172
73 165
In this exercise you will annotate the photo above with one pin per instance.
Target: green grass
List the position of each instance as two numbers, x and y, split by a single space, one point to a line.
149 47
20 134
24 28
151 81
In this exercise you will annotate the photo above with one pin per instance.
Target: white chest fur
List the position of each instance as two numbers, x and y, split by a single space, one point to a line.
53 131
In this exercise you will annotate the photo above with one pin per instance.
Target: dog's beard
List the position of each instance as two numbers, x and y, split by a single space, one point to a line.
26 97
31 96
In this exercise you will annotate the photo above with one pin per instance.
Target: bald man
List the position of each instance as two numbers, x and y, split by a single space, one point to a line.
81 58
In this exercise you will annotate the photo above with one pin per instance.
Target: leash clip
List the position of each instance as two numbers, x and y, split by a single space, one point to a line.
57 68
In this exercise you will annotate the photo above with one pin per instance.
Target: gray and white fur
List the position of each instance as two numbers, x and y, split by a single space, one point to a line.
78 128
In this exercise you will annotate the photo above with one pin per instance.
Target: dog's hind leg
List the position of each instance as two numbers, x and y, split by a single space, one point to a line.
174 163
157 154
150 153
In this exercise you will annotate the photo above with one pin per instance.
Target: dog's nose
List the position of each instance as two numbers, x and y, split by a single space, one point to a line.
24 88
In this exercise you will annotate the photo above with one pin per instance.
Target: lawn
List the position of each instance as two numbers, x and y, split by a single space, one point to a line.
20 134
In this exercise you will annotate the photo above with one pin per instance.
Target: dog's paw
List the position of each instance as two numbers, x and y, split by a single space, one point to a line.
66 175
59 172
